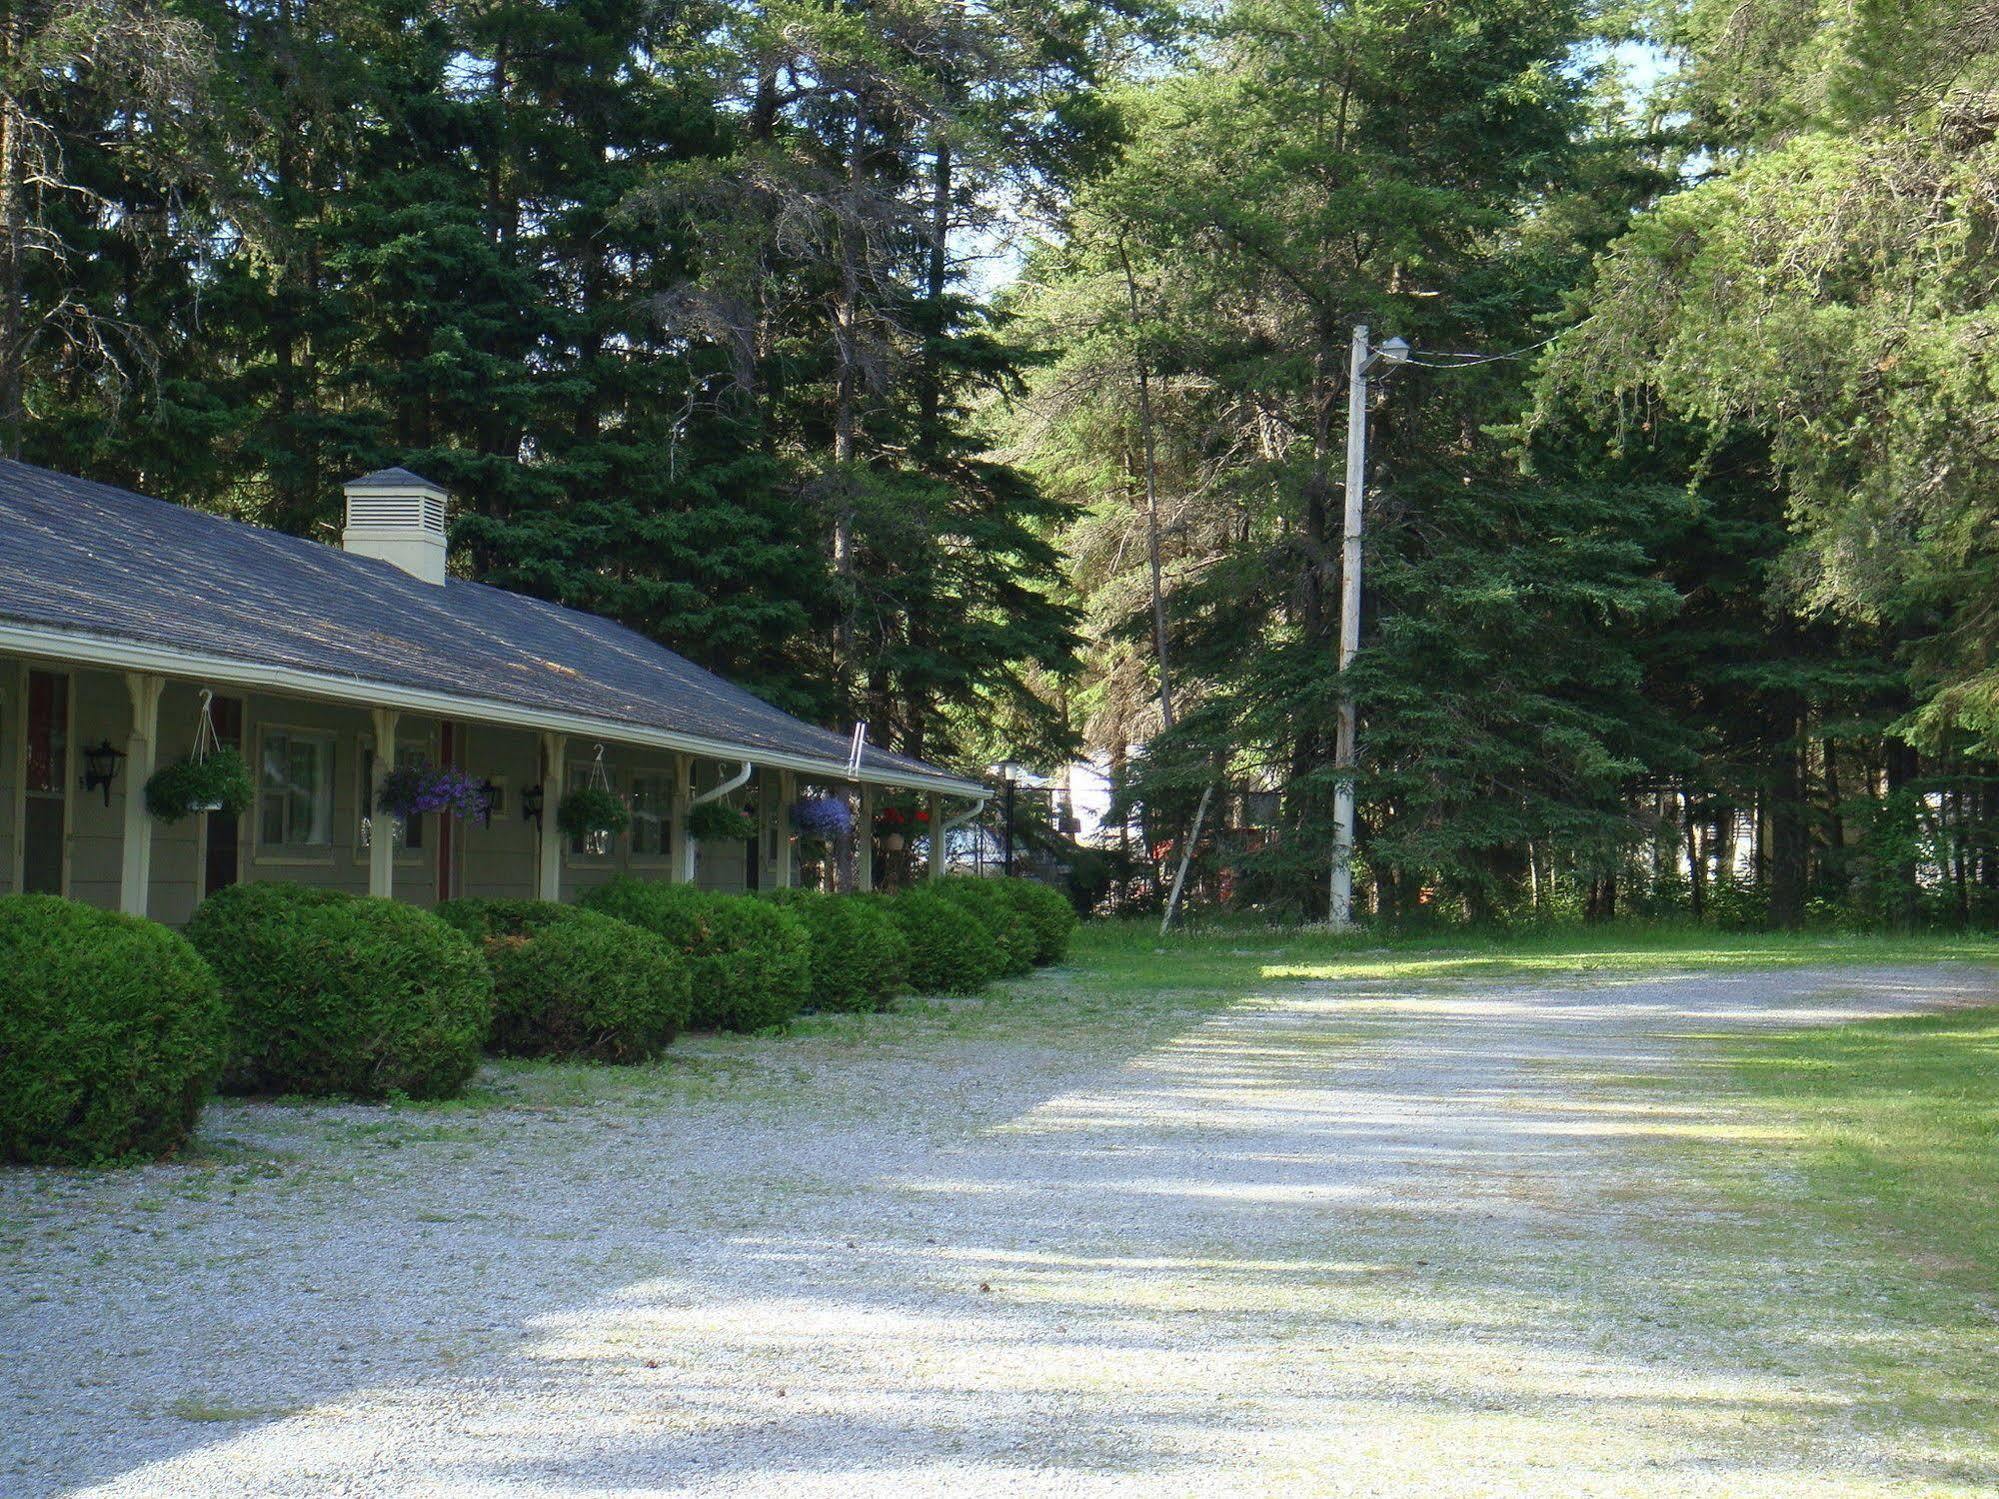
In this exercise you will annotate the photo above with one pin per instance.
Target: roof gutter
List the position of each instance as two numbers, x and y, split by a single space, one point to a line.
114 654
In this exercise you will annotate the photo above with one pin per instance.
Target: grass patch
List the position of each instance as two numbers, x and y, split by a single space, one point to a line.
1893 1132
1131 954
1125 988
204 1408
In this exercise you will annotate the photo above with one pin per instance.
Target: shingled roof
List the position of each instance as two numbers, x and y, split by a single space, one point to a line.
194 594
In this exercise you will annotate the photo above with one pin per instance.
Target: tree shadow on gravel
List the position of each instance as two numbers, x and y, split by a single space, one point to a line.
1419 1242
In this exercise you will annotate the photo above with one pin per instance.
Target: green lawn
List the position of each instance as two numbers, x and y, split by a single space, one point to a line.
1893 1131
1133 954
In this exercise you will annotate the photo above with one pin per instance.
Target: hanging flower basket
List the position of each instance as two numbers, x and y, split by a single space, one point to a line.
716 822
821 819
589 811
413 790
216 782
896 821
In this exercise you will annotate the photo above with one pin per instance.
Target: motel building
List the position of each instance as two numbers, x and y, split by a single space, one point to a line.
122 616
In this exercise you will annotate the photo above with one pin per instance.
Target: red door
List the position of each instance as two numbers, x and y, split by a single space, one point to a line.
45 811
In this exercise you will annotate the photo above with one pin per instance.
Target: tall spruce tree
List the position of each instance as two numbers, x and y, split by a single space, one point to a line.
1371 165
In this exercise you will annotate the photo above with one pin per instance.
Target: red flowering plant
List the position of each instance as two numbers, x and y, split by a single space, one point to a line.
900 815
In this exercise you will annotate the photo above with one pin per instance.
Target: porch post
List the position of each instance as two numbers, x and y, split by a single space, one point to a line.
683 841
382 827
135 874
938 852
548 878
783 874
864 838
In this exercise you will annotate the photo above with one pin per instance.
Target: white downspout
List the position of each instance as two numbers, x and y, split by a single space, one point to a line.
712 794
940 850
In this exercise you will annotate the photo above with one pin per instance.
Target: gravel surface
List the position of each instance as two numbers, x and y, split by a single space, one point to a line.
1345 1239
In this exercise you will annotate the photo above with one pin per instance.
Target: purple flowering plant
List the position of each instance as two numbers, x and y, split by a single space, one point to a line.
822 819
413 790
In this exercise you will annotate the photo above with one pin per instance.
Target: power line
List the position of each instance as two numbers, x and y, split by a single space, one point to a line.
1466 361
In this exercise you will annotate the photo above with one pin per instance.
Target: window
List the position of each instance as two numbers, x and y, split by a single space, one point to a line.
406 833
652 814
295 790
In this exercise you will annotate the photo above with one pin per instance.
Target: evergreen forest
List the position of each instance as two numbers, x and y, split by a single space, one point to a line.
979 369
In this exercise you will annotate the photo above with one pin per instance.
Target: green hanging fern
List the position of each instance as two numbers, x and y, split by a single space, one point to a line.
219 783
591 809
716 822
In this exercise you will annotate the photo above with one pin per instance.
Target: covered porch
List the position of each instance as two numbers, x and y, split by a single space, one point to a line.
80 735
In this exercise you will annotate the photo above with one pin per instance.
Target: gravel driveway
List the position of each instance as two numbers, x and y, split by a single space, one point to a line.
1328 1239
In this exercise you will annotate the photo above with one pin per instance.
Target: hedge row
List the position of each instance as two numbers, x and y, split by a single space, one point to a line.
964 932
113 1030
751 961
573 983
859 955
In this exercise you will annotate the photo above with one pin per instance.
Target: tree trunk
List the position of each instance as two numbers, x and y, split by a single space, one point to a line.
1785 804
13 233
1696 864
1148 440
1317 583
937 282
1904 766
846 344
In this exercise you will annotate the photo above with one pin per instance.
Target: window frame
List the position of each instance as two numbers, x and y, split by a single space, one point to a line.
668 775
297 853
17 753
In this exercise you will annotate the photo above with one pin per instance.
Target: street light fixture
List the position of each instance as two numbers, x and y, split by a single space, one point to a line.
1391 351
1010 773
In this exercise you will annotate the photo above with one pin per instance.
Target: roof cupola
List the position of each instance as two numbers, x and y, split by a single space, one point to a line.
398 517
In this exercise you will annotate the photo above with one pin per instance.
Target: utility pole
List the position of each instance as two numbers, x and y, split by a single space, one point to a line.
1360 361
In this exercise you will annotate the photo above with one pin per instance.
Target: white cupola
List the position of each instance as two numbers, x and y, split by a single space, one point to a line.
397 516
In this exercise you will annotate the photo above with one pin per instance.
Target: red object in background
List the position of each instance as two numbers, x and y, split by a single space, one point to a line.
48 728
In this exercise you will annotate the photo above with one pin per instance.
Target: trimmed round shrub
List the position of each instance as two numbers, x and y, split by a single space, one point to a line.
574 983
860 958
950 950
334 994
479 919
751 961
999 912
112 1033
1047 911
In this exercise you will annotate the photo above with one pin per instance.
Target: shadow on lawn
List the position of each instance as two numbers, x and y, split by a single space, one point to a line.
1393 1239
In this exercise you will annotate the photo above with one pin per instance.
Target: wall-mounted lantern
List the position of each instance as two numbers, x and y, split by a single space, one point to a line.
531 797
100 767
496 800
